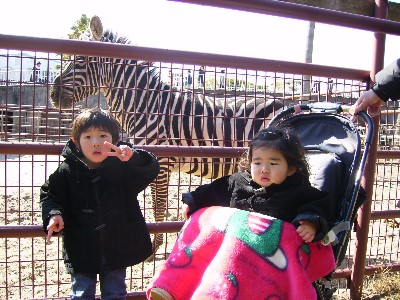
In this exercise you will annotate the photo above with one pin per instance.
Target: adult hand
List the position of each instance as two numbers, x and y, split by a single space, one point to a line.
368 101
123 152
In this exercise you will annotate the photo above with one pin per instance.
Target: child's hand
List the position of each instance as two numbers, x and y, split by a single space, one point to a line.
56 224
307 230
123 152
185 210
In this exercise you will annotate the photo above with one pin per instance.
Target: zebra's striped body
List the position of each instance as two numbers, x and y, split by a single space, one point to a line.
152 114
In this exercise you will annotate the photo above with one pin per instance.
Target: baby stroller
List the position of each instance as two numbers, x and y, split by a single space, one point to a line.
221 252
333 147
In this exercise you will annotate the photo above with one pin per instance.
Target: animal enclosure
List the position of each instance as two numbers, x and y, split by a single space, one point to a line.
197 128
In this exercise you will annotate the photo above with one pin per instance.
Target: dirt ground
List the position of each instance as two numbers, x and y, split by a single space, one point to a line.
30 269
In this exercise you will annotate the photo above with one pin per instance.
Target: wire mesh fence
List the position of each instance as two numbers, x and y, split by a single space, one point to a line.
218 111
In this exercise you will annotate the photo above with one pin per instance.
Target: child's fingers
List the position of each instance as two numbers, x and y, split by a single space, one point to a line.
123 152
306 233
116 152
51 223
56 224
49 234
126 152
112 146
306 236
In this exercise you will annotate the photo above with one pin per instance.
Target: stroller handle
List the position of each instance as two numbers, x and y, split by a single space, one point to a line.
327 107
367 119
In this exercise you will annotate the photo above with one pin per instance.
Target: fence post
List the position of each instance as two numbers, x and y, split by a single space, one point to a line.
364 213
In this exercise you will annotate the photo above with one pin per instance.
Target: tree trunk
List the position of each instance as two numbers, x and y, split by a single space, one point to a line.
308 58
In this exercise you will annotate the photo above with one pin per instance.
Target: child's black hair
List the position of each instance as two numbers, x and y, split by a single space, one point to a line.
284 140
97 118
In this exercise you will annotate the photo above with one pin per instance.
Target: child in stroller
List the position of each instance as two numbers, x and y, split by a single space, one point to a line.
225 264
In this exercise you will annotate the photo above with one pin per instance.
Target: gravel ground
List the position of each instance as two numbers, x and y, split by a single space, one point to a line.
32 269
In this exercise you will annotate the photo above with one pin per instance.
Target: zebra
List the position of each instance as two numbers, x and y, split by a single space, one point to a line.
155 114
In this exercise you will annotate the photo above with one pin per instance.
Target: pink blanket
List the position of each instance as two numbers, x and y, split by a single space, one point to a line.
226 253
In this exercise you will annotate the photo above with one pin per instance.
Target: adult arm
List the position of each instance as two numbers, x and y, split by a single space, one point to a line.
387 82
387 86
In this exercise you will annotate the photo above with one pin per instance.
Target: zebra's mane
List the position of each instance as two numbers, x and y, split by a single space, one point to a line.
110 36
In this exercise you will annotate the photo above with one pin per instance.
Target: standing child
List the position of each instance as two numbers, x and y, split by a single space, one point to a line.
274 181
92 199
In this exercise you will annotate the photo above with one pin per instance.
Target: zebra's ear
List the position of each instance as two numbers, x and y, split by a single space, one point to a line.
96 27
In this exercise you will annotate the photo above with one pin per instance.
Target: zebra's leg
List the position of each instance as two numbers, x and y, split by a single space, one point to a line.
159 193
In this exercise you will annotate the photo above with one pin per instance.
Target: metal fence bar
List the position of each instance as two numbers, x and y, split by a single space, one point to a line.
22 148
29 231
305 12
175 56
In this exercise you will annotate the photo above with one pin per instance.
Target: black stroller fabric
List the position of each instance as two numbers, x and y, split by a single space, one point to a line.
333 149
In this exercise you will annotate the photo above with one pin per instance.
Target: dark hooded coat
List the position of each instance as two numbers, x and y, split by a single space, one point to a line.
103 223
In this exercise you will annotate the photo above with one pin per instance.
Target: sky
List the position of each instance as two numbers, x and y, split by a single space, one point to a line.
179 26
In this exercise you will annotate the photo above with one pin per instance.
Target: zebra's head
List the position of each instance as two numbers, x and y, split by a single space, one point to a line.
84 75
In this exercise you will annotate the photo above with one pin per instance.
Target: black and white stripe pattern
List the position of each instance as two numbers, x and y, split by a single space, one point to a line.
152 114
